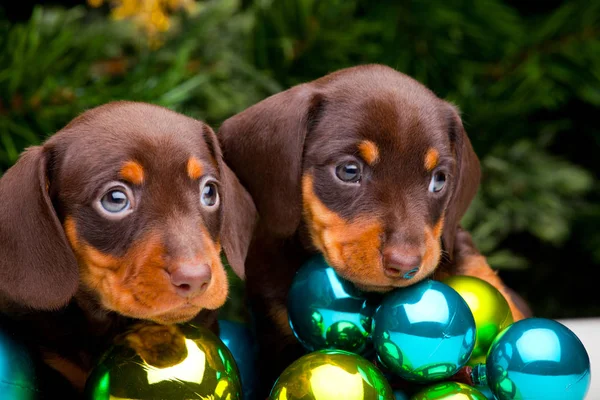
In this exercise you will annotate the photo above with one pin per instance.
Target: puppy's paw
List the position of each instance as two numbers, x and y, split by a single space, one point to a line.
161 346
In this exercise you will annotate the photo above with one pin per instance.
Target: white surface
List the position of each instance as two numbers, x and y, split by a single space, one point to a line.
588 331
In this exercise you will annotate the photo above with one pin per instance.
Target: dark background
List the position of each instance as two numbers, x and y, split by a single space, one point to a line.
526 75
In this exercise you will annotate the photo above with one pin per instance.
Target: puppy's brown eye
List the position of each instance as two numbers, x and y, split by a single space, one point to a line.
438 181
115 201
348 171
209 194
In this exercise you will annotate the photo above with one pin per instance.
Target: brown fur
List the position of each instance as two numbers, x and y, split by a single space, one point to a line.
286 151
72 274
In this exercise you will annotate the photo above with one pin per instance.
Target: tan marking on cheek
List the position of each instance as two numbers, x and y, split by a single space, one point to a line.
216 293
133 172
433 248
353 248
194 168
369 151
137 285
432 158
438 228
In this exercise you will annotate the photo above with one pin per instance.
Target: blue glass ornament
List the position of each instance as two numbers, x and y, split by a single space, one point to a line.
536 358
424 332
239 340
328 312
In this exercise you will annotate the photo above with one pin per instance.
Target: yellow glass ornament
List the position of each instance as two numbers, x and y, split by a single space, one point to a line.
489 307
331 374
166 362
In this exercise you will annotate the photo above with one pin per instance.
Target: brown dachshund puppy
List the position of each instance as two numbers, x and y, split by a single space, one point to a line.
119 216
364 165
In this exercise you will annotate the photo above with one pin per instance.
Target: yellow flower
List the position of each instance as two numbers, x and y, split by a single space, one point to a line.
151 16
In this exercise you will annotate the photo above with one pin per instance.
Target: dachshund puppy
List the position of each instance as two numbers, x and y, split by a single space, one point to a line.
366 166
119 217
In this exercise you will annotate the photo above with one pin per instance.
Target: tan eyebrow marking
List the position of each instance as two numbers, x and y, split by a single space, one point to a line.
369 151
194 168
432 158
133 172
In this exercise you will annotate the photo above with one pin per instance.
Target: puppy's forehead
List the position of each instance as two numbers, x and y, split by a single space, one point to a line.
391 122
98 144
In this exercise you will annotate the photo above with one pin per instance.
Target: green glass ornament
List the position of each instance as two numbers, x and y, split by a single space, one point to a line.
449 391
166 362
489 307
331 374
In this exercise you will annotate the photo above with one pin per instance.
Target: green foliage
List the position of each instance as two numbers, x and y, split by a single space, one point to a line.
61 62
528 87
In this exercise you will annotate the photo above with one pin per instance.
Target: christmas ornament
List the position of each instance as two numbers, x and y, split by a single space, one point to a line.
239 340
424 332
17 371
331 374
326 311
449 391
536 358
166 362
489 307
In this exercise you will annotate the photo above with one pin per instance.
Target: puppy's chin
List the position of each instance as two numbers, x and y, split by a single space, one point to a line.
367 279
176 317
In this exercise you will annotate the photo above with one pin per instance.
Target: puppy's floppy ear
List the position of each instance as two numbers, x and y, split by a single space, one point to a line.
465 183
237 210
37 266
264 146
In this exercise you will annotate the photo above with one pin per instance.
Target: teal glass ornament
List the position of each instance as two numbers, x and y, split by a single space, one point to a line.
400 395
17 370
424 332
239 340
536 358
328 312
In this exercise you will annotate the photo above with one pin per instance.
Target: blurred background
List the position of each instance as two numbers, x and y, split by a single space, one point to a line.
526 75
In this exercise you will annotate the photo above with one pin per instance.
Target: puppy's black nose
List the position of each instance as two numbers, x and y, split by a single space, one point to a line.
191 279
401 264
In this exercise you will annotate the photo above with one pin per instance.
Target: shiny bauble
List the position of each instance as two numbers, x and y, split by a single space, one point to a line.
449 391
173 362
536 358
326 311
489 307
17 370
331 374
239 340
424 332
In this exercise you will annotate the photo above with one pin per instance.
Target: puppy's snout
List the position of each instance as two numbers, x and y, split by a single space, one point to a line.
191 279
401 264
